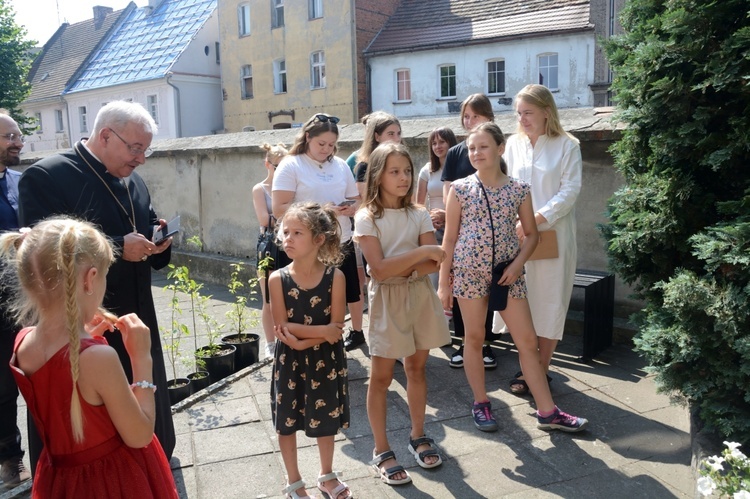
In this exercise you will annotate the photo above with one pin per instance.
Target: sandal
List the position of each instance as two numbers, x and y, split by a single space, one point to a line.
291 490
336 492
516 381
420 456
386 474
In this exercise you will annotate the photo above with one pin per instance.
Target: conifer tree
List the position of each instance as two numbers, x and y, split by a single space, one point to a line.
679 230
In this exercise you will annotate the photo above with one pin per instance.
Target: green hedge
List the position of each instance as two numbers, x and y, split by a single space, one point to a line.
679 231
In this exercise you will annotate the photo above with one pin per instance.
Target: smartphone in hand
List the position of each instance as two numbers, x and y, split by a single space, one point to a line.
163 233
347 202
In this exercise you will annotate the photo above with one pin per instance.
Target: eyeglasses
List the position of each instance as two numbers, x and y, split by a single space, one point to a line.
325 118
14 137
135 151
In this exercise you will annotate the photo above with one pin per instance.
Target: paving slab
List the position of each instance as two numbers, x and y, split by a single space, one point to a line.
637 444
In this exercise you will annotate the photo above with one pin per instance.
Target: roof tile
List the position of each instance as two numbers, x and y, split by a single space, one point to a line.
418 24
65 53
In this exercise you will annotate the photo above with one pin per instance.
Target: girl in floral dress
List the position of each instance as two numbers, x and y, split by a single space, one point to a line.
309 391
472 230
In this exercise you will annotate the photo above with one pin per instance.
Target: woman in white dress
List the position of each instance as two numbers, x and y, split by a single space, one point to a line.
542 154
430 188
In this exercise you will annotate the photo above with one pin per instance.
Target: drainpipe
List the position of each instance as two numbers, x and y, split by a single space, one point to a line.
178 111
67 115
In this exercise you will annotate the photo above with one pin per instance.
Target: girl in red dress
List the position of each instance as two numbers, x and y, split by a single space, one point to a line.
97 430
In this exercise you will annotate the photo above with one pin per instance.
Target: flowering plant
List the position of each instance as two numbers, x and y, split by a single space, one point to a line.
734 480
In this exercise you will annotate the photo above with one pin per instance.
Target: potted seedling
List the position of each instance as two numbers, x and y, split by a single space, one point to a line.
218 357
183 283
240 318
179 388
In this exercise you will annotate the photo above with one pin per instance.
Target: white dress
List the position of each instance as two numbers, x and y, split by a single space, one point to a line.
553 168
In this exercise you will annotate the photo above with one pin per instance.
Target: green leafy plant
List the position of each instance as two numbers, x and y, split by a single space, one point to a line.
239 316
211 325
183 283
730 481
176 331
679 230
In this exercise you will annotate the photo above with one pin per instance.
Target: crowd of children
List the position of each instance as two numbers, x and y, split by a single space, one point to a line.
486 220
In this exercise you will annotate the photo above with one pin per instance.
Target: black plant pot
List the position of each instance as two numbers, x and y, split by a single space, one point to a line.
179 389
247 349
198 381
220 364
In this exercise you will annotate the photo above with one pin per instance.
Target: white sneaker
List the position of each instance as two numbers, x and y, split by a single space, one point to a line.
270 349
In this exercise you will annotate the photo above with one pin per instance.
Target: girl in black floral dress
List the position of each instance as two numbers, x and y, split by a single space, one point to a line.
309 390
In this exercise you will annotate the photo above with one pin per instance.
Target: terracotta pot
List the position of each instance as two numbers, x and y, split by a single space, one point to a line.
220 364
179 389
247 349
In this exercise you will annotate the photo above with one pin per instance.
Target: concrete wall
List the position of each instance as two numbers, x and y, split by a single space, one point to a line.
208 182
575 73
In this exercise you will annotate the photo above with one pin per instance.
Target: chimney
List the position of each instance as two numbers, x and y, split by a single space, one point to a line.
101 12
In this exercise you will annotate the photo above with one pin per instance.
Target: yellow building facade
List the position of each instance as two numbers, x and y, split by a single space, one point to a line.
284 61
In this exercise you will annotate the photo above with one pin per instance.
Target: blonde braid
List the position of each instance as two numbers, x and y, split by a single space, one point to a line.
67 256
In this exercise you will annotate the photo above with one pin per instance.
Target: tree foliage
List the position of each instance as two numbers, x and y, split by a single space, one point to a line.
15 62
679 230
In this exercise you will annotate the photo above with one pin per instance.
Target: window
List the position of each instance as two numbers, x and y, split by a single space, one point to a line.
279 76
83 119
277 13
548 71
38 118
318 70
447 81
496 77
59 126
152 104
403 85
247 82
243 19
315 8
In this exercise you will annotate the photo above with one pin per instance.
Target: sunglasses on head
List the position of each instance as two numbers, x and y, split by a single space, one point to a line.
325 118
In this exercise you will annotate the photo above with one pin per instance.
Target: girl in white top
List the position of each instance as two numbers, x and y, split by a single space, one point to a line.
430 188
312 172
406 319
542 154
264 213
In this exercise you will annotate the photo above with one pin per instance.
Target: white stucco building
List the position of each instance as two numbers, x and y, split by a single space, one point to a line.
163 56
430 56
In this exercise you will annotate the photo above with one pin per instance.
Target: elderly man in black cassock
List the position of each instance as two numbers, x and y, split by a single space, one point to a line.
96 181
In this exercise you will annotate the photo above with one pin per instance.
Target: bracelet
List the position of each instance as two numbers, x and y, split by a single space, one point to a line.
144 384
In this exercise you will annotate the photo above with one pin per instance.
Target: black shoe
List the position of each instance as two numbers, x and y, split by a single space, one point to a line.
490 362
13 472
354 339
457 359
